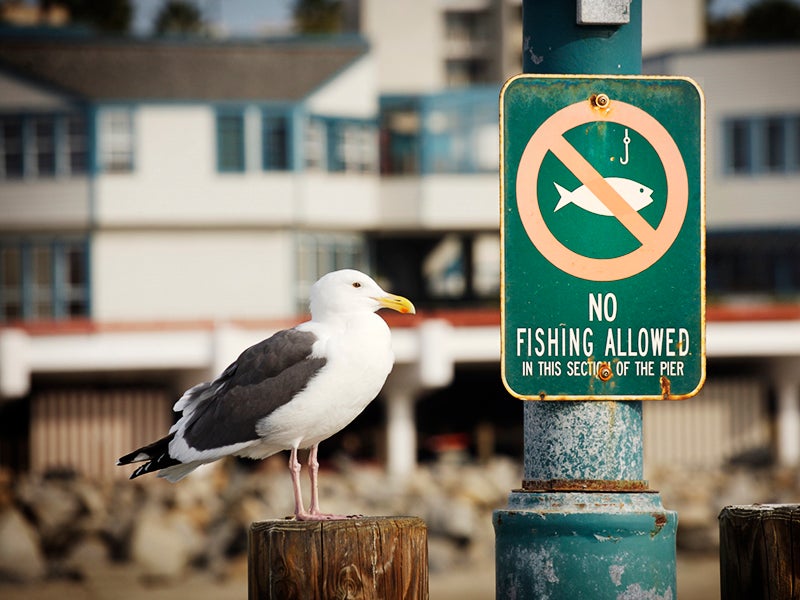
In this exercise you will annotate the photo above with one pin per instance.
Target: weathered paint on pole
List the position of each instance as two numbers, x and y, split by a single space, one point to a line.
593 441
553 42
584 525
563 546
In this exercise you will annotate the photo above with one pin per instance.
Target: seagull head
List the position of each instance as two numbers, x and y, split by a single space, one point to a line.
348 290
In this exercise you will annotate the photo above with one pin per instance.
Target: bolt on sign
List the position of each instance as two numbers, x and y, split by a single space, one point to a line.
603 226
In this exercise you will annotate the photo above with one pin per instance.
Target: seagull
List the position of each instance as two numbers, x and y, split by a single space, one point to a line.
288 392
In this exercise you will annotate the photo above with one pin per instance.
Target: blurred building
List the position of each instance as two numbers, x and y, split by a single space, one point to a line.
163 204
424 47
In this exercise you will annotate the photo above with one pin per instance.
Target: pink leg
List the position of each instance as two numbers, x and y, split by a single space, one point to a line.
313 471
294 469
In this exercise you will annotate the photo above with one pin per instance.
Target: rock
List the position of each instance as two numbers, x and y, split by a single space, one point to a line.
86 556
451 517
698 539
123 506
443 555
6 488
164 543
21 559
56 509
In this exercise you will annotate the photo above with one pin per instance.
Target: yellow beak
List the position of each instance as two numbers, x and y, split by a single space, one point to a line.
398 303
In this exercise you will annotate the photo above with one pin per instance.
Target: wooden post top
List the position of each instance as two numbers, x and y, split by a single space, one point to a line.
369 558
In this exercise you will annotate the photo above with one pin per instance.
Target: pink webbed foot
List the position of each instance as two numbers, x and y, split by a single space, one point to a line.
307 516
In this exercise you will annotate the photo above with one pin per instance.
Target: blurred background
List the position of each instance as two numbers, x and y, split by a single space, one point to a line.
175 175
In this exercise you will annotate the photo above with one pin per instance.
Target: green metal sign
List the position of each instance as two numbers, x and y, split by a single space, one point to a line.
603 225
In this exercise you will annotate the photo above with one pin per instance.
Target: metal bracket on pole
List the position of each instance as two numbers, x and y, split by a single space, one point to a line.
604 12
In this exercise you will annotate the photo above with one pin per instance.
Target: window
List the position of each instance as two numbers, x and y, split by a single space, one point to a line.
10 283
400 138
43 279
44 137
757 145
356 148
276 150
462 72
40 284
230 141
116 140
775 145
449 132
321 253
342 145
315 144
72 298
77 144
794 137
12 147
754 263
740 146
43 145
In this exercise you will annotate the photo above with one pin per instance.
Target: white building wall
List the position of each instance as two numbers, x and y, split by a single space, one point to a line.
175 179
441 202
338 200
406 38
745 82
57 203
677 24
351 93
180 275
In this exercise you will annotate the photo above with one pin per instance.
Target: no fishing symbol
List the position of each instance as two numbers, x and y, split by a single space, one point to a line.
616 197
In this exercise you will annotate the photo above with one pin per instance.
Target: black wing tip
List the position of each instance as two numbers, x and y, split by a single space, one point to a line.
155 464
143 470
127 459
147 452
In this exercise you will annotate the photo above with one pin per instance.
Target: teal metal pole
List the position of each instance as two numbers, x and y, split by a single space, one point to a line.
584 524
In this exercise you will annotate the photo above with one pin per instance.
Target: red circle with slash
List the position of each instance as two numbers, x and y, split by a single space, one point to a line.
549 137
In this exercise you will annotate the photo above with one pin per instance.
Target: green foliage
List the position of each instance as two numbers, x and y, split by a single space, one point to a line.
111 16
178 17
318 16
764 21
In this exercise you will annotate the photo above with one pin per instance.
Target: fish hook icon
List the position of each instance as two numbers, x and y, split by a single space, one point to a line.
626 140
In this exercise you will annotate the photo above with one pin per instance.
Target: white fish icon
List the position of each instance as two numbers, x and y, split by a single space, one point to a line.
634 193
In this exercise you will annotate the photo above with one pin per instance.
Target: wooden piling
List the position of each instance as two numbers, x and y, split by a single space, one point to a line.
760 552
368 558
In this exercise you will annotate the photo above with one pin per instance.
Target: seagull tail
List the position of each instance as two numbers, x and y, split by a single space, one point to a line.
157 457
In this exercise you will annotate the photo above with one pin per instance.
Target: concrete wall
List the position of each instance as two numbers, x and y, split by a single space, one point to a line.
179 275
407 39
745 82
677 24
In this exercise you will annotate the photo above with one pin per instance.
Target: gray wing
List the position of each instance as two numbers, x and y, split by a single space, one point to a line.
263 378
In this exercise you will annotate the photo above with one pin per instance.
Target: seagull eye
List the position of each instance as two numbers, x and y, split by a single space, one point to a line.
356 284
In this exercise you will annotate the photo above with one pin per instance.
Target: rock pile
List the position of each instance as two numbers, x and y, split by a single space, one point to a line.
700 494
62 525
